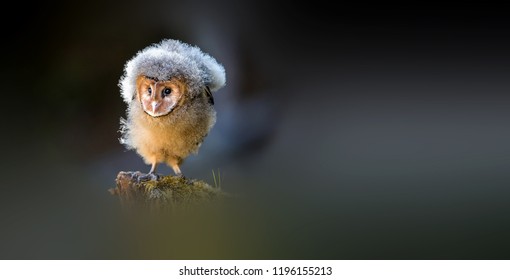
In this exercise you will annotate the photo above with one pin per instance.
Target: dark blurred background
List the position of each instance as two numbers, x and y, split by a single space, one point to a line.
349 132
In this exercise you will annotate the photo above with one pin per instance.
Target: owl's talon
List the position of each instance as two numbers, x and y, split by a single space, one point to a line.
184 178
179 176
149 177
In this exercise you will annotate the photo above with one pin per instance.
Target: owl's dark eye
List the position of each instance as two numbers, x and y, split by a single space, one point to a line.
149 90
166 91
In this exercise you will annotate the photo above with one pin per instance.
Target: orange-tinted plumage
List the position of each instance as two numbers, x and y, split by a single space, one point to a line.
170 109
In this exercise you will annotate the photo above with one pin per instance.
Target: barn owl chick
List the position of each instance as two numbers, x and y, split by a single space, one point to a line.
168 90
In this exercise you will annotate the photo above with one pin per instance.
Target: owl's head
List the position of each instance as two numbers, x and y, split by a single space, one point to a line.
159 98
171 65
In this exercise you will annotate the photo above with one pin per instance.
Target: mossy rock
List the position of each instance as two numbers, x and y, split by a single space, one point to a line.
166 190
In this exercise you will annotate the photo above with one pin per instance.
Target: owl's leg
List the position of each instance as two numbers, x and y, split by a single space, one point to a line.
151 176
177 170
153 167
174 164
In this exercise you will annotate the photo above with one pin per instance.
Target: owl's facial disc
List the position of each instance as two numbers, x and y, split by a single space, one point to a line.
159 98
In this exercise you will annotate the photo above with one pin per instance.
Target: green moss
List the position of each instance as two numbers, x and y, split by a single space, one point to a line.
179 189
167 190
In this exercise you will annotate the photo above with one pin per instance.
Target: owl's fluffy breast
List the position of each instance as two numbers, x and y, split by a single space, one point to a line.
177 134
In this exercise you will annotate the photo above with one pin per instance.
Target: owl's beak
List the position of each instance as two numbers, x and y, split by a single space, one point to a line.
155 105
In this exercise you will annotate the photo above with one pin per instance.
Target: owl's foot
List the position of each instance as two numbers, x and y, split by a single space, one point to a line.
183 178
148 177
